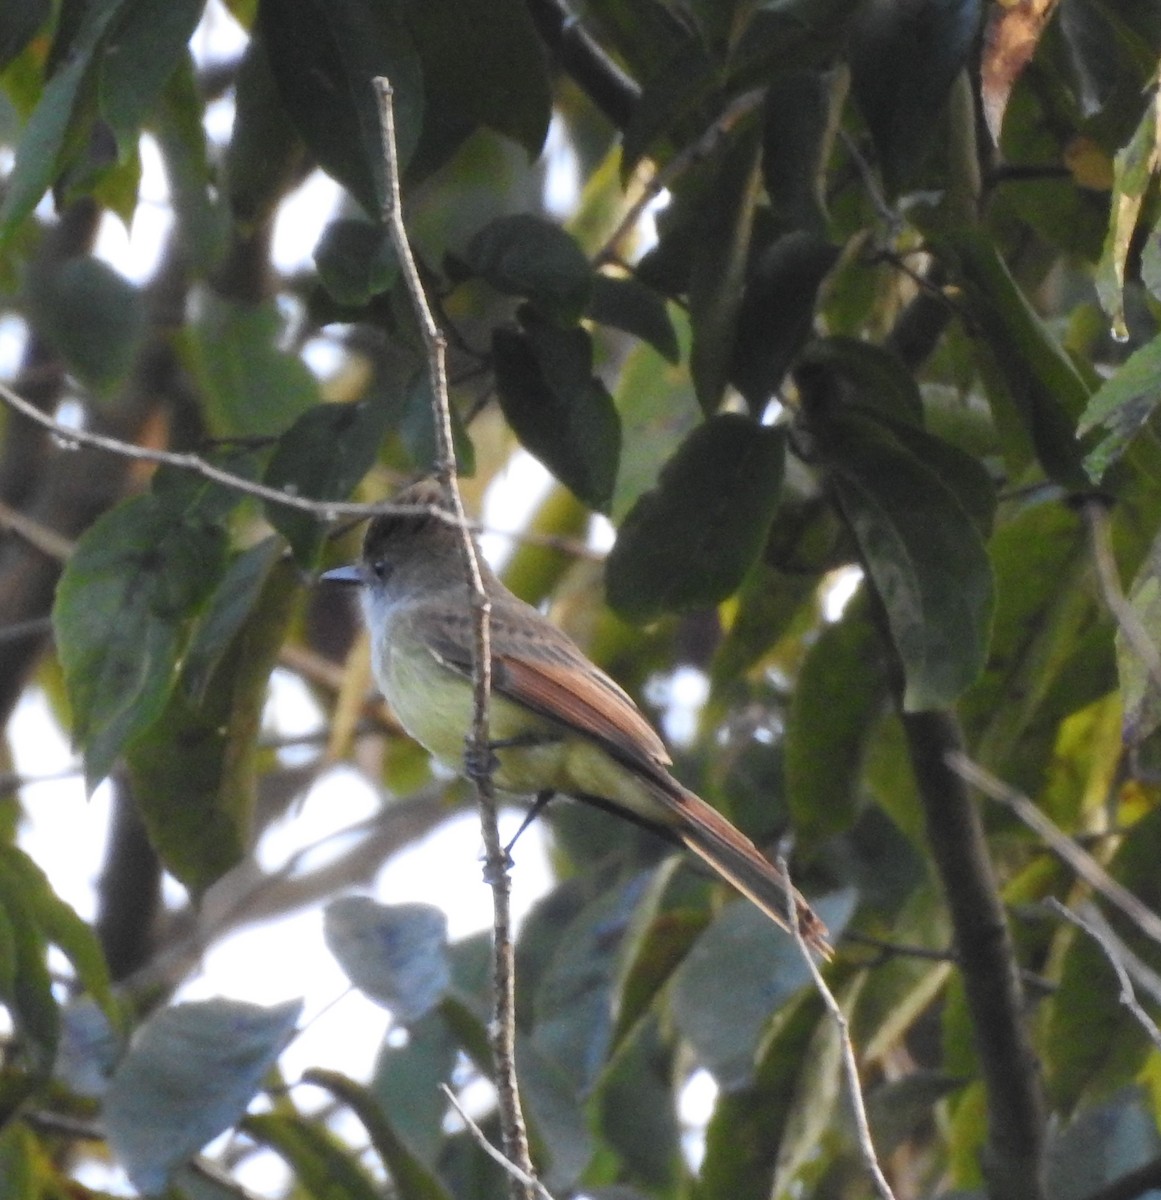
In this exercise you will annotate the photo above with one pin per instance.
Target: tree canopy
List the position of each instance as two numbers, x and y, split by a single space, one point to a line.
873 417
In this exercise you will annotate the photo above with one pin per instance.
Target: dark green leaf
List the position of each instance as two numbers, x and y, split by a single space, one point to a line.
190 1074
637 309
1101 1145
1122 405
719 259
557 409
251 386
201 217
556 1116
903 63
91 315
417 428
500 80
355 260
136 578
873 377
671 95
924 556
19 23
835 707
264 157
745 1131
740 972
323 1167
523 255
777 313
324 55
193 771
141 50
411 1179
712 507
323 455
394 954
1041 381
795 140
40 150
20 1156
406 1083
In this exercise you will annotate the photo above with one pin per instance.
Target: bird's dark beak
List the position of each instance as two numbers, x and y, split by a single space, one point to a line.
349 574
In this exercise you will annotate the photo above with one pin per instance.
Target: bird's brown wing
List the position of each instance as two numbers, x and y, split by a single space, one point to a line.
537 665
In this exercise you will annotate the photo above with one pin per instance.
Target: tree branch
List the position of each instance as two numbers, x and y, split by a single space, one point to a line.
613 91
477 751
1014 1153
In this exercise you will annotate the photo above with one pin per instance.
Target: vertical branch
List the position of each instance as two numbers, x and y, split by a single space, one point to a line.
477 751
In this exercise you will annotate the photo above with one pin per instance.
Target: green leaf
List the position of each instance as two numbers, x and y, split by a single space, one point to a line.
777 313
500 80
923 554
251 386
323 1167
558 410
355 260
40 150
91 315
1113 1046
903 63
189 1075
1134 167
201 217
840 692
524 255
60 925
874 377
1122 405
411 1178
19 24
324 55
637 309
740 972
137 576
193 771
417 427
323 455
796 137
712 507
264 157
672 95
406 1083
394 954
19 1156
1041 381
718 266
556 1116
141 50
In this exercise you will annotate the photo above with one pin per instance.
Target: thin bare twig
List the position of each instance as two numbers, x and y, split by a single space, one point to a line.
477 751
40 537
850 1063
1059 842
1092 923
1096 516
481 1140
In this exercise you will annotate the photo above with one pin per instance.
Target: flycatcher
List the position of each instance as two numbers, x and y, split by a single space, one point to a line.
557 723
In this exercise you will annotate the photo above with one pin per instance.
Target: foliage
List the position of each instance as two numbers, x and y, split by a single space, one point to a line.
869 345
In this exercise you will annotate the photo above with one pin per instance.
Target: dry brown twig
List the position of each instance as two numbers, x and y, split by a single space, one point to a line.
1060 843
477 753
1091 922
850 1063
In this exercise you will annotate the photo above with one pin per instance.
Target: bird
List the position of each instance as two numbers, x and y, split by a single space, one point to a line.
558 724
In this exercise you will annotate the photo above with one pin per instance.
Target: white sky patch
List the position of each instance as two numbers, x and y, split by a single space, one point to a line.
680 695
838 590
695 1106
13 336
512 496
301 220
562 172
135 252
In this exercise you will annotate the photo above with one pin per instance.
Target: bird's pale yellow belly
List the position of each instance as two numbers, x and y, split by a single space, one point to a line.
434 705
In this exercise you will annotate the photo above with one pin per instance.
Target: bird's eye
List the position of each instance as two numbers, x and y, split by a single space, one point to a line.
380 568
